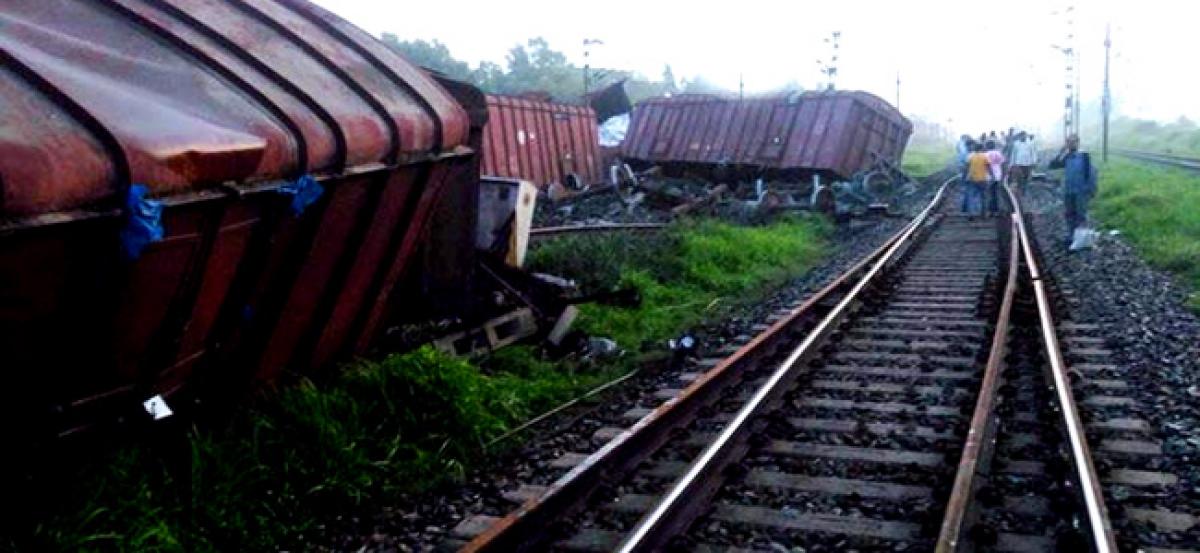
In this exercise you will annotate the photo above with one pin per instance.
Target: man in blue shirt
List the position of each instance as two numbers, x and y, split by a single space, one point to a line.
1079 183
962 150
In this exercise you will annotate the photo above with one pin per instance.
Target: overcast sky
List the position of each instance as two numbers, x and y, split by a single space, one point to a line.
973 66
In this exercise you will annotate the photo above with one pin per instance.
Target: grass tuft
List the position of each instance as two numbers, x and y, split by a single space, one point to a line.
380 431
924 159
309 453
1156 208
691 271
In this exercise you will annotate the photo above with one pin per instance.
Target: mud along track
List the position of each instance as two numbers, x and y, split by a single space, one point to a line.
849 439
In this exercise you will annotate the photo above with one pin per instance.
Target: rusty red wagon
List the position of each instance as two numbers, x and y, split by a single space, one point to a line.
289 162
541 141
833 134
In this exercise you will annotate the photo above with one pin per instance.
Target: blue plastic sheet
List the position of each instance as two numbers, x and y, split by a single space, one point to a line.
304 192
143 222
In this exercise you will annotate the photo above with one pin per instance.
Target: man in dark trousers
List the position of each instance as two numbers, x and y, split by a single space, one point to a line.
1079 183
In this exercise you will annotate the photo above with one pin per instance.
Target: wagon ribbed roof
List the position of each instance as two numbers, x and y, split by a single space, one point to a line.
182 95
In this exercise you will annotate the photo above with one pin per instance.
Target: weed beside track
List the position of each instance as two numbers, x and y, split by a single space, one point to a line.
298 464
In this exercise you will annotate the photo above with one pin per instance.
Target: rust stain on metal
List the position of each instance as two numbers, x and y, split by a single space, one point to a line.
983 421
214 106
835 133
540 141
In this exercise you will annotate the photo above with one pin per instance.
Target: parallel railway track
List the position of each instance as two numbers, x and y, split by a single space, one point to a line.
1162 159
922 401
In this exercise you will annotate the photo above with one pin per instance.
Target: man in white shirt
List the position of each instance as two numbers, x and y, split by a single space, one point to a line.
1024 157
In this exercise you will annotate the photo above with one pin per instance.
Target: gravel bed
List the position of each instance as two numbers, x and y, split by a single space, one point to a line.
421 523
1155 339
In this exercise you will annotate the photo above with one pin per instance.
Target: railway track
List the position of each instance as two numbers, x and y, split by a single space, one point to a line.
1162 159
922 401
544 233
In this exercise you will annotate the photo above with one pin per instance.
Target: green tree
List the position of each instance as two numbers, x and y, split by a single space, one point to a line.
668 80
534 66
700 85
433 55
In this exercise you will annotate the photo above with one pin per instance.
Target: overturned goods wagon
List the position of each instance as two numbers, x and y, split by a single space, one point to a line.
200 190
833 134
540 141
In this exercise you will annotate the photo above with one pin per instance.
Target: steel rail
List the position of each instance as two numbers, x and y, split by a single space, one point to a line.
547 232
513 531
655 527
1101 531
978 448
1162 159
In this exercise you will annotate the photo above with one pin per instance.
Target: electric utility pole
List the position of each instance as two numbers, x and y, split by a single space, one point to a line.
1071 56
1107 91
587 43
897 91
829 67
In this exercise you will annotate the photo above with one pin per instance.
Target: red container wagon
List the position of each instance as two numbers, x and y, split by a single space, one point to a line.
541 142
835 134
215 189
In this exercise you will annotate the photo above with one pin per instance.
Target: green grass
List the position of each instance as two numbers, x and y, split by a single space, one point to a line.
1156 208
1181 137
925 158
307 454
379 432
691 271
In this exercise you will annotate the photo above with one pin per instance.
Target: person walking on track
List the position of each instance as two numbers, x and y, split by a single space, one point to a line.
962 150
1079 183
1024 157
996 172
978 175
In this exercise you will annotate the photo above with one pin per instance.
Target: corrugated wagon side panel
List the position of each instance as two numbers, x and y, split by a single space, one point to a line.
800 139
692 139
651 124
715 133
549 148
589 148
811 131
820 134
678 148
215 106
836 149
701 142
660 141
544 139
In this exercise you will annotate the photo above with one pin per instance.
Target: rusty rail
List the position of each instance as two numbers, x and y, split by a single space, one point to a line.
520 529
688 493
959 509
551 232
978 448
1100 526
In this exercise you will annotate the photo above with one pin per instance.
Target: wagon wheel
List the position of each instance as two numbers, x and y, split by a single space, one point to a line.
626 180
627 177
573 182
877 184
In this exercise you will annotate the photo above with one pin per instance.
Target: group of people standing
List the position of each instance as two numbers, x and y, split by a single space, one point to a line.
985 162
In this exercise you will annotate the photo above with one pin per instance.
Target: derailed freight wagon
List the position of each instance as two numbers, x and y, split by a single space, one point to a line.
198 188
541 141
834 134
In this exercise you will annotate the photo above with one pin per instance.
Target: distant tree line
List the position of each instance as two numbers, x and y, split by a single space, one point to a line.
534 66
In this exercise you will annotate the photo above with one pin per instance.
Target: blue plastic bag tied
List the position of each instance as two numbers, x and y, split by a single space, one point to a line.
143 222
304 192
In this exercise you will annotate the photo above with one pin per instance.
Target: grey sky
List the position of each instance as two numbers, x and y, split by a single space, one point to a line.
974 66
